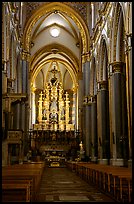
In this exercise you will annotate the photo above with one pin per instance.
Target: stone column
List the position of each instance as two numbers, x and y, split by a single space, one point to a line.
80 99
94 141
86 109
88 129
103 123
25 114
77 110
119 115
128 53
92 6
32 117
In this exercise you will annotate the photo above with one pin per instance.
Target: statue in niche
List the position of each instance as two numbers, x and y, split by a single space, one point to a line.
53 116
53 110
53 106
62 115
44 115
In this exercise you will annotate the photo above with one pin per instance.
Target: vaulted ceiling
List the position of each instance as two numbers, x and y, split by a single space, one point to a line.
62 50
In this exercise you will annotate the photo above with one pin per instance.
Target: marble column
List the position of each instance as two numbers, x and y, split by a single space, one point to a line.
33 107
25 114
103 124
19 76
119 118
128 55
93 13
88 129
87 109
94 142
80 99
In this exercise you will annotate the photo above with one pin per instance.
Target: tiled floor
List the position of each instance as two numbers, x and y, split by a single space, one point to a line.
59 184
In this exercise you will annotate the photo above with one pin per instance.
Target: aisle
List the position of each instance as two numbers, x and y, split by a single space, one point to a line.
59 184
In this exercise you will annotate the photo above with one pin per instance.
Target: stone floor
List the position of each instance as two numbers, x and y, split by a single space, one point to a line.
62 185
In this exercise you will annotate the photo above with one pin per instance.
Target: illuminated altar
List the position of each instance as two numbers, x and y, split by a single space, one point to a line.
53 105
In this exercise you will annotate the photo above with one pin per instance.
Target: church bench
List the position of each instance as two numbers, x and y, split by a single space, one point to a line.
28 166
36 174
121 185
16 192
23 171
19 176
103 176
71 165
20 180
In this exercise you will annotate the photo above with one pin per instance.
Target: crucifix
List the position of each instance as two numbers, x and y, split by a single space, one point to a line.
54 71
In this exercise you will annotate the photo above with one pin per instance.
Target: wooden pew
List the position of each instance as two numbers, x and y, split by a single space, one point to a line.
107 177
19 175
18 180
24 191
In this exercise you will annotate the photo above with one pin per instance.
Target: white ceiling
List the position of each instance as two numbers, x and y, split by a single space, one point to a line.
68 38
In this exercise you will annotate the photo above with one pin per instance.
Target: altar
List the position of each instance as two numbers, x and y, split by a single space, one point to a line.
54 109
54 158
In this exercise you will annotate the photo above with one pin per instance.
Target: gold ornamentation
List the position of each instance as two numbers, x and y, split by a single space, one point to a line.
33 89
103 85
117 66
69 67
55 48
53 108
75 88
86 57
81 7
25 55
45 9
91 99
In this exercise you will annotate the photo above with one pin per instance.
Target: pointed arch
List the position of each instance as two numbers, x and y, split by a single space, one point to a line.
60 7
103 61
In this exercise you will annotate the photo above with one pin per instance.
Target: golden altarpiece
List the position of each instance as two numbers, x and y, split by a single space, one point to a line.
53 105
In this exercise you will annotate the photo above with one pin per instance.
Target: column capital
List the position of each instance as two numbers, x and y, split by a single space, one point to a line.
25 55
75 88
86 57
117 66
102 85
33 89
85 100
92 99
